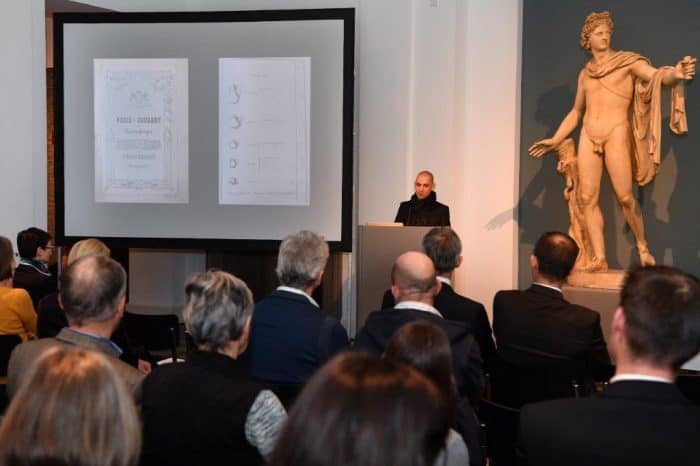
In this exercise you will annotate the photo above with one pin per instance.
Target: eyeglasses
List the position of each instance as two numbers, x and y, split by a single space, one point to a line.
49 247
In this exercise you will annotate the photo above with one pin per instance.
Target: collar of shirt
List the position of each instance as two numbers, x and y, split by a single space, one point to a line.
417 305
36 265
444 280
639 378
547 286
289 289
102 340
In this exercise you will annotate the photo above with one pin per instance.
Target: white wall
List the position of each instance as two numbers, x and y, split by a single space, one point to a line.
438 88
23 125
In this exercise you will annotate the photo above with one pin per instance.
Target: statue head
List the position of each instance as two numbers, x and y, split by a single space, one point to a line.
593 20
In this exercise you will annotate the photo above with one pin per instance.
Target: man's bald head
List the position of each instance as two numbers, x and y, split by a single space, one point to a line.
91 289
413 277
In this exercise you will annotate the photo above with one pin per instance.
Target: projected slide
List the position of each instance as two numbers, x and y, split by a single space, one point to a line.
141 132
264 106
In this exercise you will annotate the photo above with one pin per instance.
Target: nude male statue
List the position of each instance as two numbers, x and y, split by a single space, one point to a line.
628 143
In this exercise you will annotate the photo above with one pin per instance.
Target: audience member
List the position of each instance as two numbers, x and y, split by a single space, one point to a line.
414 286
540 321
17 316
207 410
71 410
291 336
425 347
641 418
51 318
33 274
444 248
359 410
93 294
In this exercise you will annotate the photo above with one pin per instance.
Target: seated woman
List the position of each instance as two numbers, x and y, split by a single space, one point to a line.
365 411
425 347
72 409
207 410
51 318
17 316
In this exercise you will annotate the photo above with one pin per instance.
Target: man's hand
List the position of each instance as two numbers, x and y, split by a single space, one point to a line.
541 147
685 69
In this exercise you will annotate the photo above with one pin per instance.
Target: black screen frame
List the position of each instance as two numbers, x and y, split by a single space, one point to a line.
346 15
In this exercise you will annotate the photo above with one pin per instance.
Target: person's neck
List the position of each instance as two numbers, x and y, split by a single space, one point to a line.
424 299
640 367
539 278
601 55
233 349
447 275
100 329
6 283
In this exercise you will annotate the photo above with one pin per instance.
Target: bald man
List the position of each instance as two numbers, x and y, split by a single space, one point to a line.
423 209
414 286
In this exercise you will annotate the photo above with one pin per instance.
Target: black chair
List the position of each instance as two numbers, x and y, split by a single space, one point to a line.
7 344
499 433
154 332
528 377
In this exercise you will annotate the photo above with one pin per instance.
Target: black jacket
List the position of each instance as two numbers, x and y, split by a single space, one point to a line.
423 212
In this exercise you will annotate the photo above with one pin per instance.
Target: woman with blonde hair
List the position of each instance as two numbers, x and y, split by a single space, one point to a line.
72 409
17 316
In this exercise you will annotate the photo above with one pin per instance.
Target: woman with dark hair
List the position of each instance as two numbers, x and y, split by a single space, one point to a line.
359 410
425 347
72 409
17 316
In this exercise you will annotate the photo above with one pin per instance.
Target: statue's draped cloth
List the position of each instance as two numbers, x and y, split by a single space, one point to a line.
646 112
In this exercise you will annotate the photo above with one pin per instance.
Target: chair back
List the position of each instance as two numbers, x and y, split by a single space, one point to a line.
499 433
7 344
154 332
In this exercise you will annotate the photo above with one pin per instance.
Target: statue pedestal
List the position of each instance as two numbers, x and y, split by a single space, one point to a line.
603 300
609 280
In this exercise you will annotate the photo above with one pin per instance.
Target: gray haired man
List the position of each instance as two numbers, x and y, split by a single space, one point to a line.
291 336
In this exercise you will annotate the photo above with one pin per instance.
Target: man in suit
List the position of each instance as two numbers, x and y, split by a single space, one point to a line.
423 209
640 418
93 294
539 321
414 286
291 336
32 273
444 248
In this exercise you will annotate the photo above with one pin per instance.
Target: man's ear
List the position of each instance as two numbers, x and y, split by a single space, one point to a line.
619 322
438 287
459 261
534 264
319 279
395 293
121 307
60 302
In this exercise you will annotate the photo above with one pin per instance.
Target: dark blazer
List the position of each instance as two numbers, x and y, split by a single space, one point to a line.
454 306
540 319
425 212
631 423
374 336
38 284
195 413
290 338
25 354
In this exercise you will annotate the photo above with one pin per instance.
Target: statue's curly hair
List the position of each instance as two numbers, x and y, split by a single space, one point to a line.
593 20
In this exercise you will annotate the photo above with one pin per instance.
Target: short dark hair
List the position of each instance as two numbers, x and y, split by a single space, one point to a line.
91 288
353 410
661 305
425 347
7 255
556 254
443 247
29 240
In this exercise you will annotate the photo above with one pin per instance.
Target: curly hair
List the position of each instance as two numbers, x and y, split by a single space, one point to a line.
593 20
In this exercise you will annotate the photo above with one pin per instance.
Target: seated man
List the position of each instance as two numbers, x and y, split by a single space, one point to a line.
32 273
539 321
640 418
444 248
93 294
414 286
291 336
423 209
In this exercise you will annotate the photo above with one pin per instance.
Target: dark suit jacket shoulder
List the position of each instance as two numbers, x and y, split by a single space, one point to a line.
25 354
631 423
36 283
291 338
379 327
540 319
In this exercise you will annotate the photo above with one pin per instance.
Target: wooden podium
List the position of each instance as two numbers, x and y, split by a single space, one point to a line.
378 247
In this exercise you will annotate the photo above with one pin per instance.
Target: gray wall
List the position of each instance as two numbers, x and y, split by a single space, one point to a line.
663 31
